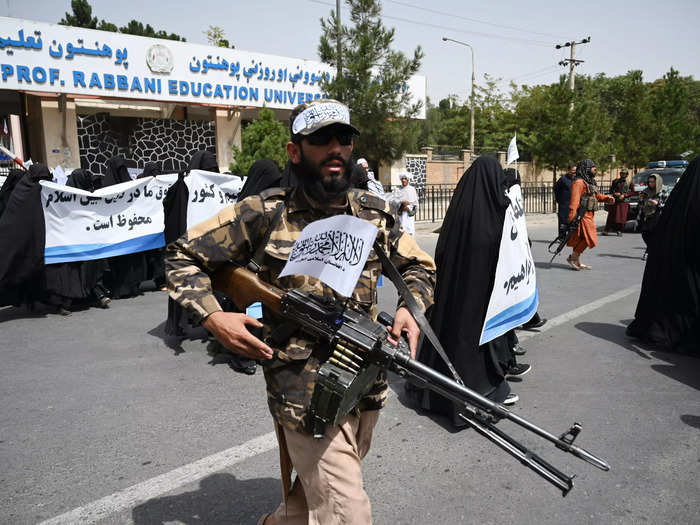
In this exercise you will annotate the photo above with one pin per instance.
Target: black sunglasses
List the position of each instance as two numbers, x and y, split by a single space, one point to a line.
323 136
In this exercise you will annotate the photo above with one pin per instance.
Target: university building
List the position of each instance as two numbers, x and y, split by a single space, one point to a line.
76 97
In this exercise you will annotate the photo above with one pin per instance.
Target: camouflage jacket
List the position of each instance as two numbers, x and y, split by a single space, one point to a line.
235 234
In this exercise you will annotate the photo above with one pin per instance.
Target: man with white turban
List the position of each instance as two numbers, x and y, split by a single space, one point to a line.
406 200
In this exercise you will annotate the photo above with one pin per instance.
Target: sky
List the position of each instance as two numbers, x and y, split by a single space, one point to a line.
512 40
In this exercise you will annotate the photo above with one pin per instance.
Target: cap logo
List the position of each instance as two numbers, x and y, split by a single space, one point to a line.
316 115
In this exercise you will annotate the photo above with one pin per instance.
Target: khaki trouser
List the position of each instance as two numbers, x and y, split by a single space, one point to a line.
328 487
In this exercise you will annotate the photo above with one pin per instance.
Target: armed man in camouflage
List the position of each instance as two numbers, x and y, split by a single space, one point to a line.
328 487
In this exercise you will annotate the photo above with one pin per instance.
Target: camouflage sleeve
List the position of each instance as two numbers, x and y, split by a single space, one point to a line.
415 266
229 236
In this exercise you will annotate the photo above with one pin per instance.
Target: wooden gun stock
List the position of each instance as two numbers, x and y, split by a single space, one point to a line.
245 288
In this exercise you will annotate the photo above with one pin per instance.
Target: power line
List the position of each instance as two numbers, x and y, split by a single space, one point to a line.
455 29
478 21
537 71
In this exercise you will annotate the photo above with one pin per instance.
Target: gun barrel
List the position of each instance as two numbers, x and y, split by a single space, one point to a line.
429 378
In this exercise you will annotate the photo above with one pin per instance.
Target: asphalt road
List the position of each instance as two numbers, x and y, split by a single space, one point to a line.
101 401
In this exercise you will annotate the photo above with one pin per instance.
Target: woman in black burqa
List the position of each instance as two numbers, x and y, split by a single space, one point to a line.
13 177
263 174
81 281
668 311
126 272
175 211
466 256
22 238
155 266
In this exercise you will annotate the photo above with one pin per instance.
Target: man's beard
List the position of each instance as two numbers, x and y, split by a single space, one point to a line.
316 185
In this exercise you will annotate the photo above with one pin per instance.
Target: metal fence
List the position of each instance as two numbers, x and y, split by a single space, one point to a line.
5 168
434 199
538 198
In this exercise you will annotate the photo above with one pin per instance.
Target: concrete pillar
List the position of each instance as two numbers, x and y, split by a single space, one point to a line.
60 134
16 134
467 159
429 152
228 134
502 158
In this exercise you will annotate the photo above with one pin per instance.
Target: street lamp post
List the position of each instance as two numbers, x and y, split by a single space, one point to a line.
471 126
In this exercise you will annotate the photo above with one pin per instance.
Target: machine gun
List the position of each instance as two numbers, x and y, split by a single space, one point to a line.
358 348
563 238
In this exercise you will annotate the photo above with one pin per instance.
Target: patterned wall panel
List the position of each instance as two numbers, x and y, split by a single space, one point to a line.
170 142
416 166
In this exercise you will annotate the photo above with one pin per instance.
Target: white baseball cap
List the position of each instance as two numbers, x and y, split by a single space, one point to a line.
319 114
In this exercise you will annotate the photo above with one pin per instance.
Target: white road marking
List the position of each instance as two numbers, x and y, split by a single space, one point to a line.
578 312
154 487
159 485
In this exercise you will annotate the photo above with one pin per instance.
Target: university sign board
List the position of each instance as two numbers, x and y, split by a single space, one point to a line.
36 56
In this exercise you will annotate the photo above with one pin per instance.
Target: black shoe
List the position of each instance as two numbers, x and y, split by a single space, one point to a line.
64 312
519 350
104 301
518 370
511 399
536 323
619 234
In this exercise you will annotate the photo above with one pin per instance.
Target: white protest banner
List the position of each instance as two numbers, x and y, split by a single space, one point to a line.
209 194
514 299
333 250
117 220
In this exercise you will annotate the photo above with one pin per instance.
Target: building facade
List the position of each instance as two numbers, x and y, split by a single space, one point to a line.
75 97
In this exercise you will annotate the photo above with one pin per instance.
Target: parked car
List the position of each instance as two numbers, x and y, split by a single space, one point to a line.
670 171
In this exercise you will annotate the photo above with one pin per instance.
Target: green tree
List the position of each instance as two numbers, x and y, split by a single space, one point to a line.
134 27
108 26
216 37
625 99
676 127
559 126
81 17
264 138
373 81
494 122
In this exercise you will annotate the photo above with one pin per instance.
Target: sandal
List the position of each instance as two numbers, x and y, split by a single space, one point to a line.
263 518
572 262
585 266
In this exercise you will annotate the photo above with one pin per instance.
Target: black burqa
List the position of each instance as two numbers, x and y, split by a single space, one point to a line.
155 266
126 272
466 256
150 169
263 174
22 239
11 181
668 311
117 172
203 160
175 210
71 281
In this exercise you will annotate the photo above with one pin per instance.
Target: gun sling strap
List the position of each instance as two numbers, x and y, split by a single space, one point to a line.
412 305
